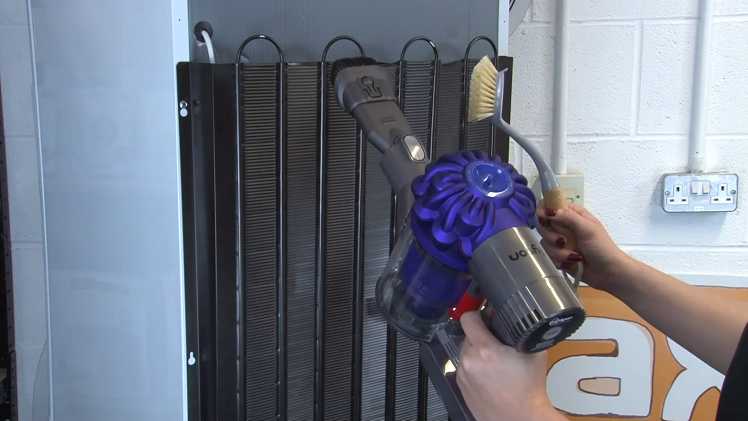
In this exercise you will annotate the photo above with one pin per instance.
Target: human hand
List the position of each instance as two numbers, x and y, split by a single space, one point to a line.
497 382
603 259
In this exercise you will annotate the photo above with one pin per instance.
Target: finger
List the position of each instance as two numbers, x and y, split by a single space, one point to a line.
570 220
540 212
466 344
551 236
568 267
462 381
557 253
583 212
475 330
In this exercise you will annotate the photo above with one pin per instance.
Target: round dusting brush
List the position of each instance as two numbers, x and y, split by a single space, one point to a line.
346 63
486 101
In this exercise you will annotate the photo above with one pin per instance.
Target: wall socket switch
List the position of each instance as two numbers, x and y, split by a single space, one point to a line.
573 185
702 192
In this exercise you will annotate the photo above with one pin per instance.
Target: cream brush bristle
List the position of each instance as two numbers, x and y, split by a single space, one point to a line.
482 95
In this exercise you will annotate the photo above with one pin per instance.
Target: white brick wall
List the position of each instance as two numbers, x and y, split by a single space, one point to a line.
629 109
25 196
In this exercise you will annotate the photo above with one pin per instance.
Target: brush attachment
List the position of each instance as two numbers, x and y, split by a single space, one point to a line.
485 98
345 63
483 87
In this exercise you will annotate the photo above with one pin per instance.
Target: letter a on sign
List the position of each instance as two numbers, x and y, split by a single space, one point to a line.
695 379
597 385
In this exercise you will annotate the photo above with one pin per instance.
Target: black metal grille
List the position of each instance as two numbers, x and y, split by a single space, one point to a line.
301 235
259 181
341 137
8 397
416 101
312 243
448 109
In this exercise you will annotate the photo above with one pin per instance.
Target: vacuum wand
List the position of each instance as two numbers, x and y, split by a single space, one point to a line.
363 91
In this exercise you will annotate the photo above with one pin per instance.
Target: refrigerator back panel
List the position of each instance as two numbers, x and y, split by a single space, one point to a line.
288 226
303 28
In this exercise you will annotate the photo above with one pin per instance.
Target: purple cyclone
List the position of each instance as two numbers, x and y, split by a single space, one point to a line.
461 200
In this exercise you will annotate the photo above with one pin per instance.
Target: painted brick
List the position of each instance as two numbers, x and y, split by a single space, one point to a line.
532 80
623 190
15 71
25 203
29 295
13 12
528 15
703 261
728 92
600 78
636 183
27 361
667 68
545 10
730 7
24 189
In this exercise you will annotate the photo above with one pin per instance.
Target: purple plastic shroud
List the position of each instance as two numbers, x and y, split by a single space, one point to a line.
462 200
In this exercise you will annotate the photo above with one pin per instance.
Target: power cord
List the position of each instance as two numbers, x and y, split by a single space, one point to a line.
203 33
209 45
574 284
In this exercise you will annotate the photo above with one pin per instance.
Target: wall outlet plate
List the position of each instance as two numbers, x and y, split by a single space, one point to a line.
702 192
573 185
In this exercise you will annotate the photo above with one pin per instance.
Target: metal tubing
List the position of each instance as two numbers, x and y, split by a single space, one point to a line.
319 413
280 205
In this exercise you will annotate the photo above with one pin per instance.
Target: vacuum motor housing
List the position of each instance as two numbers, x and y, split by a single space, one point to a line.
472 221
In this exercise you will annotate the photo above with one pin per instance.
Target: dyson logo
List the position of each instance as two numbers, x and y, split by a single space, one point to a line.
559 321
524 253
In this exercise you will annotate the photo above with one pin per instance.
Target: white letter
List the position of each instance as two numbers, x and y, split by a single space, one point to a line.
596 385
695 379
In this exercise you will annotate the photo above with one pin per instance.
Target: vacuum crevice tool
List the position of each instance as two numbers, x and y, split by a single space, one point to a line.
363 90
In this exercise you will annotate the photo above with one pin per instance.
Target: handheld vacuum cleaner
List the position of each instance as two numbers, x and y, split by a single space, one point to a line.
465 241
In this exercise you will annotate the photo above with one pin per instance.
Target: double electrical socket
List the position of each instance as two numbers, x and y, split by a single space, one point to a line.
707 192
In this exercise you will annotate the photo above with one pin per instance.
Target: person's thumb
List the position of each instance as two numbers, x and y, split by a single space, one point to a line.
475 330
572 221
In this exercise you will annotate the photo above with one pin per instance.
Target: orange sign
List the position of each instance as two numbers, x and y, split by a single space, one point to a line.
617 366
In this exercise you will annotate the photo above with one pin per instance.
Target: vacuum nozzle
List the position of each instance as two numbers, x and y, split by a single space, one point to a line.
363 90
349 62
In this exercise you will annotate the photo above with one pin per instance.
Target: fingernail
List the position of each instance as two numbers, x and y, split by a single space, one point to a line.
574 257
561 241
550 212
542 221
566 266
